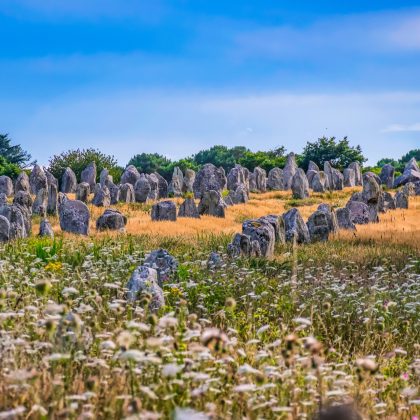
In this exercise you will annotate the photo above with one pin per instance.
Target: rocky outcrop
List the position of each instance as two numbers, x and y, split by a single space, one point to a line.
111 219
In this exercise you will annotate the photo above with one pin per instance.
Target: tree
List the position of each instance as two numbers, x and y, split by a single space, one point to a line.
13 154
415 153
78 159
10 169
266 160
150 162
219 156
338 152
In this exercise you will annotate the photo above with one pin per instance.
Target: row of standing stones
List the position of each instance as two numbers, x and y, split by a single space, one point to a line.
258 236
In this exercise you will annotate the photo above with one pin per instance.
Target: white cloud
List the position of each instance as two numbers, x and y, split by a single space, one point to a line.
396 128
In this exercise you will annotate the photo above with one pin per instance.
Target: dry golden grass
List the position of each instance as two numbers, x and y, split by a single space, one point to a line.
395 227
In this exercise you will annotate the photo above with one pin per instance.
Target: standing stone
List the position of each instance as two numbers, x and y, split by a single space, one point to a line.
68 181
162 185
318 182
37 179
144 280
127 193
102 197
242 246
289 171
237 176
311 175
188 209
212 204
295 227
253 183
164 263
142 189
299 185
114 192
111 219
357 173
344 219
335 177
16 215
275 181
239 196
4 229
154 187
89 175
260 179
52 204
74 217
209 178
51 179
45 228
3 199
6 186
188 182
278 225
164 210
371 190
318 227
263 232
312 166
23 201
331 217
41 202
131 175
387 175
105 177
22 183
349 177
83 192
369 174
388 201
359 212
411 174
214 261
409 189
175 187
401 200
417 188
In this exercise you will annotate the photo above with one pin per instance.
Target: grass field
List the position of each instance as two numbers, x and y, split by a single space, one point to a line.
322 324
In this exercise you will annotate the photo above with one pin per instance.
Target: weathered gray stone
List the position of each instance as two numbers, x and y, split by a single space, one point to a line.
3 199
373 212
51 179
331 217
102 197
242 246
24 199
188 209
387 175
278 225
371 190
164 263
252 183
37 179
164 210
52 202
289 170
239 196
74 217
212 204
357 172
6 185
401 200
417 188
409 189
142 189
334 176
295 227
359 212
154 187
238 176
68 181
127 193
144 281
214 261
310 175
111 219
312 166
45 228
105 178
89 175
209 178
83 192
388 201
319 182
175 186
275 180
318 227
4 229
263 232
344 219
131 175
114 192
260 179
299 185
370 174
16 215
41 202
349 177
188 181
162 186
22 183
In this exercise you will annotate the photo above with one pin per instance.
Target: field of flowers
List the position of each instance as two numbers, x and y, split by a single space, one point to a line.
322 324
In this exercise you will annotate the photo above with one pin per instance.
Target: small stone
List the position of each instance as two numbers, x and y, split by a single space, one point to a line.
188 209
83 192
164 210
111 219
45 228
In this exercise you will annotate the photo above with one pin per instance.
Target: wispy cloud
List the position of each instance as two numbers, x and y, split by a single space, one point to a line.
398 128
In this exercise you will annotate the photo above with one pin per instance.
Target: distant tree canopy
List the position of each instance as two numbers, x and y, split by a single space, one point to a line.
9 169
400 163
338 152
78 159
13 154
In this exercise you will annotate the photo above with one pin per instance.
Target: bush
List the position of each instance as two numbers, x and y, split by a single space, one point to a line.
78 159
9 169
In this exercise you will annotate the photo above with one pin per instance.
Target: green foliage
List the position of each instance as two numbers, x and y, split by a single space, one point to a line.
78 159
400 163
338 152
266 160
13 154
415 153
10 169
219 156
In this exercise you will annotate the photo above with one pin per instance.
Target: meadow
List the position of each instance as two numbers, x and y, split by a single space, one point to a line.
317 325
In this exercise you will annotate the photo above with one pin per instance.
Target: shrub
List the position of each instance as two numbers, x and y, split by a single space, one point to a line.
10 169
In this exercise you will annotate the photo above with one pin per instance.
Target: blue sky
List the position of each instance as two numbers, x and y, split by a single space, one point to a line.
176 76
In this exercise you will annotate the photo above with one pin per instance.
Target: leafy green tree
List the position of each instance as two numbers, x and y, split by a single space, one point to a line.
218 156
415 153
149 162
266 160
78 159
10 169
338 152
13 154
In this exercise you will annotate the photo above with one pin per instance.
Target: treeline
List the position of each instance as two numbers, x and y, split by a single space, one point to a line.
13 159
